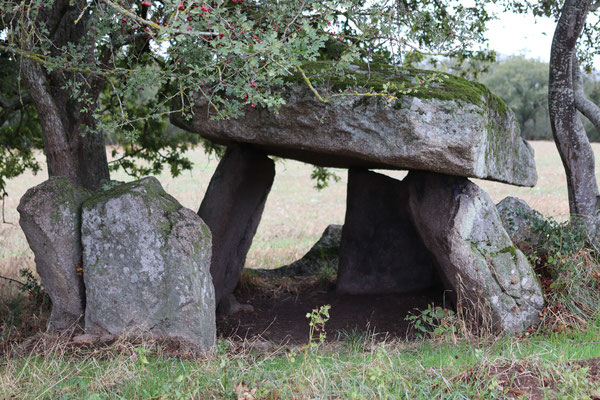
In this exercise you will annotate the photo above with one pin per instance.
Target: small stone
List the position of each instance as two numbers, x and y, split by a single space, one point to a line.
518 219
85 339
261 345
322 256
229 306
107 338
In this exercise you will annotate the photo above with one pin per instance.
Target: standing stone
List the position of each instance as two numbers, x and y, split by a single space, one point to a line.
50 215
518 220
324 255
460 226
381 251
146 265
232 208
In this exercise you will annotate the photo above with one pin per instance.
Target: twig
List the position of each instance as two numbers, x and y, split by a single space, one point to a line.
12 280
4 219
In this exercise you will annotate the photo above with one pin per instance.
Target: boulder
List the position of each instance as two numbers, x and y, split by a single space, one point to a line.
381 251
232 207
147 266
518 219
50 216
460 226
450 126
324 255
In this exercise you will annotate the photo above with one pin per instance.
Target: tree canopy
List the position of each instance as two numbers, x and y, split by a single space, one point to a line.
92 69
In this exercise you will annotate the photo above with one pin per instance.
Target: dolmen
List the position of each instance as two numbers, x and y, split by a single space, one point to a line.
435 226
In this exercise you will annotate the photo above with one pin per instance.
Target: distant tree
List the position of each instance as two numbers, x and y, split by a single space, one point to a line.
523 84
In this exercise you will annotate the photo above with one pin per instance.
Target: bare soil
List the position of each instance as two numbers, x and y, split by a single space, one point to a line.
282 318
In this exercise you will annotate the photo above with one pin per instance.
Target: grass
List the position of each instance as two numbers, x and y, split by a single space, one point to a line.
426 369
538 365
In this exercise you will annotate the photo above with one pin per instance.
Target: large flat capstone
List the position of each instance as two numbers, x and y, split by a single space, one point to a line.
147 265
450 125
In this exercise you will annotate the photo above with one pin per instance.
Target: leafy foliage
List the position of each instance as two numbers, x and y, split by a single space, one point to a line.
150 59
434 321
569 269
19 127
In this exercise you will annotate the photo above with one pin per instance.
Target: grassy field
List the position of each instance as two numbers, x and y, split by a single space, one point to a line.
295 214
358 366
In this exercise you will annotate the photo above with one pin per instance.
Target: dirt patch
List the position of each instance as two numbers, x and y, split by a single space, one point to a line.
282 318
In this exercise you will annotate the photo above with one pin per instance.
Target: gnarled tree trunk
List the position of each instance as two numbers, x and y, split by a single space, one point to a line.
569 134
73 146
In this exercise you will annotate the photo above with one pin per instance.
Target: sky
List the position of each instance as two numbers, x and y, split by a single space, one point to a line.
514 34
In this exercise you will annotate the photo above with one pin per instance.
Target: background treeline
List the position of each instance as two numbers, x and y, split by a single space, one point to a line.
523 84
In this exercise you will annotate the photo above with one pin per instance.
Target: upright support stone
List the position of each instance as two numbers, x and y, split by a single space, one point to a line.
232 208
381 251
50 216
147 266
460 226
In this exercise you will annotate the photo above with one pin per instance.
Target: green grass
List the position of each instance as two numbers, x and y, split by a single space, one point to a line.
383 370
355 367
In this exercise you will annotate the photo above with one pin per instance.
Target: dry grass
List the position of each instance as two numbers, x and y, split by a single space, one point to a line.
295 214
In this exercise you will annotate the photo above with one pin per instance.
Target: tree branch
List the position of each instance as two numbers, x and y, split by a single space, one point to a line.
12 280
582 103
15 103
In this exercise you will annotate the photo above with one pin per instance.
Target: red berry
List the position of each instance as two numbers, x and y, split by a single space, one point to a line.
180 7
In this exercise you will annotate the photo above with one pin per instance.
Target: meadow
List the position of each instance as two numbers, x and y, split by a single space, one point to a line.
295 214
452 363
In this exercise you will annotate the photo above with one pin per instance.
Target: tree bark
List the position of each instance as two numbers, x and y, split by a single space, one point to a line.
587 107
569 134
73 146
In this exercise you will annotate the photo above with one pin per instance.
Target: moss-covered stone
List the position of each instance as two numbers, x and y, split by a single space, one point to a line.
459 224
50 218
361 78
146 265
378 117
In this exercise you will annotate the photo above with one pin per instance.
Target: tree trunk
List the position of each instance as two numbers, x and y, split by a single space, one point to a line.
73 146
569 134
